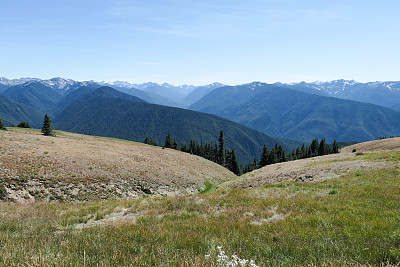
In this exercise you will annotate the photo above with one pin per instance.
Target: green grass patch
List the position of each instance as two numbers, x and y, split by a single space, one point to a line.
339 222
208 188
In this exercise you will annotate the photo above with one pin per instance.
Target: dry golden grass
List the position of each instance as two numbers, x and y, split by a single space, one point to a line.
73 167
376 145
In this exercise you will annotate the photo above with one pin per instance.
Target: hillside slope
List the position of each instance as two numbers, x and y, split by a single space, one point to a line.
12 112
352 220
375 155
148 97
84 91
385 93
286 113
122 118
34 94
73 167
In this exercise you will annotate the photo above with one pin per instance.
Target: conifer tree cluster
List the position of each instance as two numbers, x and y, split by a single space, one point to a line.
278 154
24 124
213 152
149 141
227 158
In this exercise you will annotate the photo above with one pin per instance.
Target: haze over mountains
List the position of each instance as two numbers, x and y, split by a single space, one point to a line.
340 110
287 113
386 94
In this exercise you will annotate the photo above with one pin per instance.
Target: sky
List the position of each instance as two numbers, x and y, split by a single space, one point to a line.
200 41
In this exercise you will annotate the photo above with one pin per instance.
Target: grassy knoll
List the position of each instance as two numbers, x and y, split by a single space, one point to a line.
352 220
390 156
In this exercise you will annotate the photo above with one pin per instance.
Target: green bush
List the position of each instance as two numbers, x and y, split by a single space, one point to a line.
24 124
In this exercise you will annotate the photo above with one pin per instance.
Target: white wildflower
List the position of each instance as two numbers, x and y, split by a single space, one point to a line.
223 260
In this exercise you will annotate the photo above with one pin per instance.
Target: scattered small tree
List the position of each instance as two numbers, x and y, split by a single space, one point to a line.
47 128
24 124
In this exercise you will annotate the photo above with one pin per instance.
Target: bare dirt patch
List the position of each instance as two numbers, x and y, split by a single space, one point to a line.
73 167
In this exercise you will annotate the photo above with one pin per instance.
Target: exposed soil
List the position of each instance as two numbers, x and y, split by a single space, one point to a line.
319 168
73 167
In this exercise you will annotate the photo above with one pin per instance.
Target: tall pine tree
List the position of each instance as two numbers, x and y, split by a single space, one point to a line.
234 163
47 128
221 150
168 141
264 157
335 147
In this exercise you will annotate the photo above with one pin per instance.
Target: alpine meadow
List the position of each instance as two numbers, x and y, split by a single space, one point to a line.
199 133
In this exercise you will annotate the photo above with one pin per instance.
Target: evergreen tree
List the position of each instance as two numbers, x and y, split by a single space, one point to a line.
281 154
175 144
47 128
303 151
264 157
147 140
335 147
2 127
314 148
234 163
185 148
322 150
168 141
221 150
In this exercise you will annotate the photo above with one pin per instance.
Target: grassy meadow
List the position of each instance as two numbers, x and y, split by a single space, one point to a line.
349 221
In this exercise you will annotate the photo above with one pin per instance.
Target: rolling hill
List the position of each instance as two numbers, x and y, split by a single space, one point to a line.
287 113
98 114
349 216
72 167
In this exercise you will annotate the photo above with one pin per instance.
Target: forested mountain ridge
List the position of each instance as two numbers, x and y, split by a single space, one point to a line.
34 94
99 114
12 112
287 113
386 94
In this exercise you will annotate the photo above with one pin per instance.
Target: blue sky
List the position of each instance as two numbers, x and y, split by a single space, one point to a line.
200 41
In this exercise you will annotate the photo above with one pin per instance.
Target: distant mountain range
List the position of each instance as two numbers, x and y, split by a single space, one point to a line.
386 94
161 94
288 113
300 111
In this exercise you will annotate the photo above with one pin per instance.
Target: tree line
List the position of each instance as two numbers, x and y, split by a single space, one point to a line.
278 154
213 152
228 159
